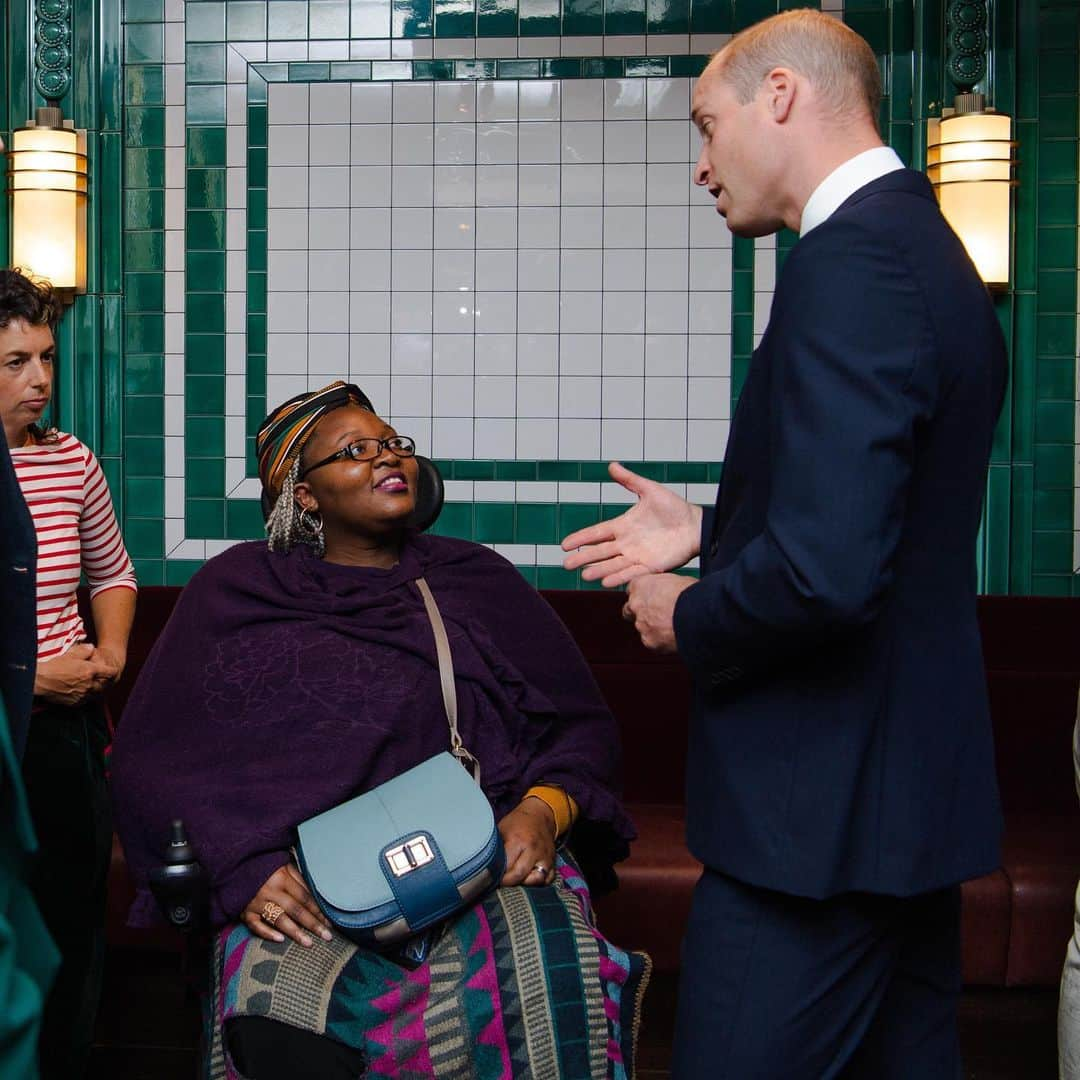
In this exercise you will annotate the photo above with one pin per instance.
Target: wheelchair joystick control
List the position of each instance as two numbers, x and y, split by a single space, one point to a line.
179 885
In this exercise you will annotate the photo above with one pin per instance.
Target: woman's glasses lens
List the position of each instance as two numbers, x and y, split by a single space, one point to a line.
368 449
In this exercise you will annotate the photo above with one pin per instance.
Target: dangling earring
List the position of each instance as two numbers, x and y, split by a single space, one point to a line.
311 524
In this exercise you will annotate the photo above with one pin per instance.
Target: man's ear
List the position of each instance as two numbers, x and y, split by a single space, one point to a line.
780 90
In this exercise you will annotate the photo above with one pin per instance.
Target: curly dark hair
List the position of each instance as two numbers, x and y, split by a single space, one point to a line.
34 302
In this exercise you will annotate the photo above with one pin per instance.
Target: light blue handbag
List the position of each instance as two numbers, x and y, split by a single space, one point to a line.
391 863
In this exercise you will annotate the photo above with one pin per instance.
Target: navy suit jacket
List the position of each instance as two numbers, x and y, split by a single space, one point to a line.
840 738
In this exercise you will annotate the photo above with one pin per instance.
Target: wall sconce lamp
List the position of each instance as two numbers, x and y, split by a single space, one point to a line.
970 160
47 182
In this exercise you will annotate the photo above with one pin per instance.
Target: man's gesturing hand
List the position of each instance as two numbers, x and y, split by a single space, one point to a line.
661 531
650 606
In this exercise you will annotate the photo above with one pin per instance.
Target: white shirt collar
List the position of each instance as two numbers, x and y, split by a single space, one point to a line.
844 181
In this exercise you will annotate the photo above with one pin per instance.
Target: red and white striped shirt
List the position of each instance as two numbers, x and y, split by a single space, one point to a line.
69 501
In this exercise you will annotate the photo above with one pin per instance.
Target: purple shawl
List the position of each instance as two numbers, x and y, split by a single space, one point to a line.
283 685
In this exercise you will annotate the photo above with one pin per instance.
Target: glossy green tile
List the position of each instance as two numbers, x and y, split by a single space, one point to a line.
1058 70
145 125
1054 467
206 147
555 577
1055 377
257 166
256 252
204 477
256 129
256 293
1056 335
144 415
426 70
144 43
474 470
206 104
309 72
204 354
494 523
995 553
149 571
624 17
1051 552
181 571
1058 117
205 518
144 334
256 333
589 472
255 376
144 456
204 395
205 64
574 516
206 189
144 11
257 410
144 374
1057 204
1054 421
566 471
350 70
106 227
144 292
256 84
667 16
144 250
144 85
205 20
456 519
644 66
496 18
602 67
539 18
476 69
1052 584
144 496
1057 290
515 470
687 472
145 167
528 573
519 69
583 17
1057 248
256 208
205 436
1053 509
872 25
455 18
566 68
686 67
243 520
1056 159
537 524
205 271
1020 529
205 229
245 20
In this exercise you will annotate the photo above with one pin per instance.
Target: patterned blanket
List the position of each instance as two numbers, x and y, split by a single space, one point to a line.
521 985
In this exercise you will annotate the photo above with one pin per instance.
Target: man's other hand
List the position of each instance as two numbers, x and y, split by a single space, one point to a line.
650 606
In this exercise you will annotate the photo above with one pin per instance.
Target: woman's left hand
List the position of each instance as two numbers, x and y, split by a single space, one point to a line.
528 835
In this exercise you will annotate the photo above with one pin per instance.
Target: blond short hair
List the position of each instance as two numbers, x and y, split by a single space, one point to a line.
839 63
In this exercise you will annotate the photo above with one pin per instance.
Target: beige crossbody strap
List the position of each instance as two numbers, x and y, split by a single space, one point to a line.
446 677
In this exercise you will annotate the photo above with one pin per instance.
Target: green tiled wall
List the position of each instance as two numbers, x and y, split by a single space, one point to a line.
113 342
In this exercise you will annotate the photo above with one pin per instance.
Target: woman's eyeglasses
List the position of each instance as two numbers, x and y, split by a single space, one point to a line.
368 450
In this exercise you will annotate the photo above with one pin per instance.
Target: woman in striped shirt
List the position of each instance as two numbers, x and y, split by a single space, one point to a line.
63 763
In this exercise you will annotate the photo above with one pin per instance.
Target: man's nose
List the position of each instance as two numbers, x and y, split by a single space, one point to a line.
701 170
41 374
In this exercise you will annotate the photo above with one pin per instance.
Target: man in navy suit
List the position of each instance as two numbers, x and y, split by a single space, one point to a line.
841 778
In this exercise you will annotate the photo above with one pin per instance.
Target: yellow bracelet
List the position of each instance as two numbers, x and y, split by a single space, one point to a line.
561 804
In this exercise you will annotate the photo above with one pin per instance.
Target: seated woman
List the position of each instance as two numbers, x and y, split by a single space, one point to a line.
297 673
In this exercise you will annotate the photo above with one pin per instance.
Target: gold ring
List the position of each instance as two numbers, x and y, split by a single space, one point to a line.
271 912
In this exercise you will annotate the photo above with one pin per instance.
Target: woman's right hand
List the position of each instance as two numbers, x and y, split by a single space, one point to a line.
72 677
287 890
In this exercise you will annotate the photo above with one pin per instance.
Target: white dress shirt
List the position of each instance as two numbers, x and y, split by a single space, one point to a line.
844 181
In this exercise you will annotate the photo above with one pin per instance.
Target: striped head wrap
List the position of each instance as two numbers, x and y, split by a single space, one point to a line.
282 435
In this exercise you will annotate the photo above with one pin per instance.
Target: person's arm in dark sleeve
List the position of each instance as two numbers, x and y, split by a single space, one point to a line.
852 377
